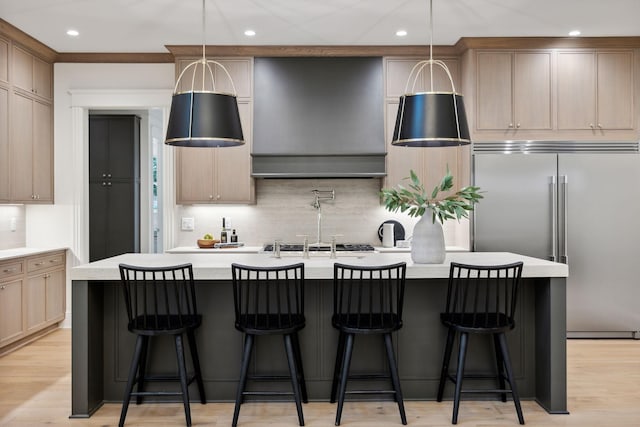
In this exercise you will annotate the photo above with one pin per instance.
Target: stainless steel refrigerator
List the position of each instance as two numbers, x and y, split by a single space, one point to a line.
576 203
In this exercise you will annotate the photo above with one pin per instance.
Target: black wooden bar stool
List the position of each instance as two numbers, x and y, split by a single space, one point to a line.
366 300
481 300
270 301
161 301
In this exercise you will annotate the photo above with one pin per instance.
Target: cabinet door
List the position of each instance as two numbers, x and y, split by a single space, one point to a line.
494 91
22 149
576 90
532 90
233 165
42 165
399 69
4 61
55 305
240 71
5 162
42 77
10 311
22 76
194 175
36 301
615 90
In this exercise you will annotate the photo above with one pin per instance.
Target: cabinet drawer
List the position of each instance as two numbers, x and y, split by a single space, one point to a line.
10 269
45 262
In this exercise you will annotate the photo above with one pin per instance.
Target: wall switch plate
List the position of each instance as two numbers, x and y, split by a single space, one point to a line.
187 224
13 224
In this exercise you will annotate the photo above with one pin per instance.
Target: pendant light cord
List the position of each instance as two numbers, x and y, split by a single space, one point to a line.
431 42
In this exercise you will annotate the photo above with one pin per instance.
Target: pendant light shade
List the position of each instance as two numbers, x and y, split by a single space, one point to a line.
203 116
204 119
430 119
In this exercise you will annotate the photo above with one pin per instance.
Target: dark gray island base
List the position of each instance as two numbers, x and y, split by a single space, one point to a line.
102 346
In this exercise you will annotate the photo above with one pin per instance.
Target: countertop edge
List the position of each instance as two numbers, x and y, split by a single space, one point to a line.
8 254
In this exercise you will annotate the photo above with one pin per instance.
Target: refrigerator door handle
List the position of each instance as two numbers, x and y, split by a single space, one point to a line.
564 257
554 218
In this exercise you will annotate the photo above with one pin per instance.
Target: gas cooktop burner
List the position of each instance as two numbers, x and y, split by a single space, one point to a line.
342 247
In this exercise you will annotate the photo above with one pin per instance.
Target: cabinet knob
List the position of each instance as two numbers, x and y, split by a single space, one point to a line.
8 270
210 196
218 197
108 175
2 287
510 125
104 175
599 125
518 125
109 184
104 184
591 125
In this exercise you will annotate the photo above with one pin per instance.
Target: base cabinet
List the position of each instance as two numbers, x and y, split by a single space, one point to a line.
32 296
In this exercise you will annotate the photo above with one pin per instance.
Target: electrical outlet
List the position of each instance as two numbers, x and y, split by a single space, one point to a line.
188 224
13 224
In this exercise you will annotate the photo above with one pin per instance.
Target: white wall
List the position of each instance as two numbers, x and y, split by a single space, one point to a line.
10 236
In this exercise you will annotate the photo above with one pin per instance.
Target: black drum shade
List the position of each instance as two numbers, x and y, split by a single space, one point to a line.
204 119
431 119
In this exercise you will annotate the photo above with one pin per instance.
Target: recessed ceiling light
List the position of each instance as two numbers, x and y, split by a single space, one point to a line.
73 33
574 33
249 33
401 33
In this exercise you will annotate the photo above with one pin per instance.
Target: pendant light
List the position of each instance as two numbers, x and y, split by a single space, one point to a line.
430 119
202 116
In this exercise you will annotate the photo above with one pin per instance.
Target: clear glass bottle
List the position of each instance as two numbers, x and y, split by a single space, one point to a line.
223 233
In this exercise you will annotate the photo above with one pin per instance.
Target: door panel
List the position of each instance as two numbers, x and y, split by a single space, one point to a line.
603 235
515 214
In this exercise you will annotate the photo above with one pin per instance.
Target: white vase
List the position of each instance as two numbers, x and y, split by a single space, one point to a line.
427 243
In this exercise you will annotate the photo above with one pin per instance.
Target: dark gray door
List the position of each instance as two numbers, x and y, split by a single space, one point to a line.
114 185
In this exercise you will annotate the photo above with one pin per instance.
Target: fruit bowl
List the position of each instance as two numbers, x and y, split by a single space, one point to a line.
207 243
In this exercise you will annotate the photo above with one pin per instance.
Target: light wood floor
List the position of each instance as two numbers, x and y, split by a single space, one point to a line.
603 390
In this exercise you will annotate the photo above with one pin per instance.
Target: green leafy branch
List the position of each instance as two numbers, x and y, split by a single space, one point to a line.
415 200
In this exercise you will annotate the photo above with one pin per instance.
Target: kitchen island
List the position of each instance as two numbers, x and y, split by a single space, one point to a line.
102 346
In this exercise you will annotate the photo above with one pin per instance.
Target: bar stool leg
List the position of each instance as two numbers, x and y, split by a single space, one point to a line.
395 379
462 354
246 357
451 334
196 365
184 385
142 367
291 358
512 381
337 367
298 358
344 375
133 371
500 363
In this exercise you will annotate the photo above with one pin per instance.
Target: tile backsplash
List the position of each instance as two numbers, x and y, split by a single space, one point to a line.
12 226
284 211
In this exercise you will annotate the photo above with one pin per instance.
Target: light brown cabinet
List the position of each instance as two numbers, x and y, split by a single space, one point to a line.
221 174
430 164
513 91
5 160
4 60
11 318
217 175
596 91
32 296
32 74
31 151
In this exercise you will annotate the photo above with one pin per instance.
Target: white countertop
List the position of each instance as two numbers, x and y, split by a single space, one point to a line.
318 266
6 254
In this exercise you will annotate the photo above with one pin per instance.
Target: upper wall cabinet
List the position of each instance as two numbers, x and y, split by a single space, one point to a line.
596 92
4 61
32 74
240 70
397 72
513 92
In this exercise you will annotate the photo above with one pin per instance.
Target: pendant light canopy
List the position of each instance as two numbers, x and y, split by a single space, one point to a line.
203 116
430 119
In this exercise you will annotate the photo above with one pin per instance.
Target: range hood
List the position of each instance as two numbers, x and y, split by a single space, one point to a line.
318 118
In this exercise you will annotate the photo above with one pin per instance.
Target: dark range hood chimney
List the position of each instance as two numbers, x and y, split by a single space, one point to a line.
318 118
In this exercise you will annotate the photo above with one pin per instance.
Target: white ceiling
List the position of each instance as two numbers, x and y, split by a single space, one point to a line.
149 25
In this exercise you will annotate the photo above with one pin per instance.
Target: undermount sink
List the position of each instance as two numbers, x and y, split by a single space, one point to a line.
323 255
